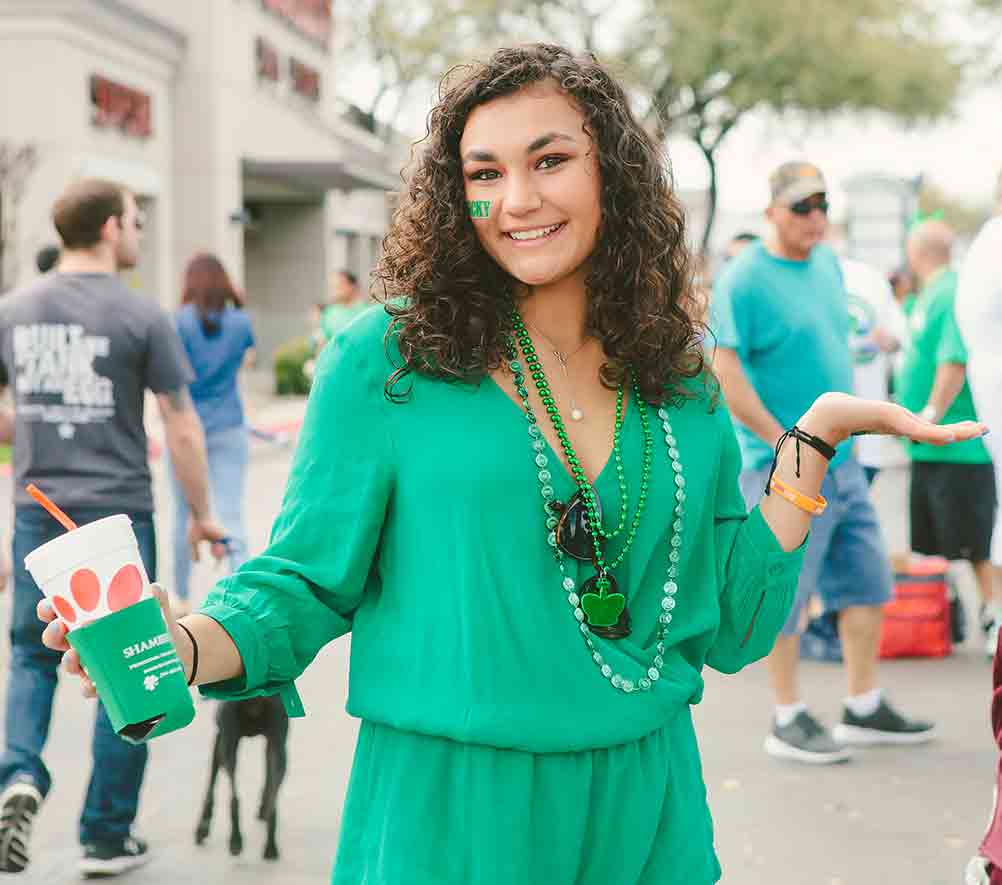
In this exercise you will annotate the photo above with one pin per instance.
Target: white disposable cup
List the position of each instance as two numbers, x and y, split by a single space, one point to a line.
91 571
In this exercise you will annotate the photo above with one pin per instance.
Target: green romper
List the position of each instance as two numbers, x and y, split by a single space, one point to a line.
493 750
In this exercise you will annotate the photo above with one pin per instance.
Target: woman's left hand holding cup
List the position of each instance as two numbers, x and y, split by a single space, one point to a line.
54 637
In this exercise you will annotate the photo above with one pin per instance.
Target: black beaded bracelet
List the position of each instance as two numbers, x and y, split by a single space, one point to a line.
815 442
194 654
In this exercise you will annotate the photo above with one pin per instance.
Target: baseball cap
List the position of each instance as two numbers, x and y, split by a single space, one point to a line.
792 182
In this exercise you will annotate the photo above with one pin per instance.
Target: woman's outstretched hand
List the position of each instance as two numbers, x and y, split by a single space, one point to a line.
54 637
837 416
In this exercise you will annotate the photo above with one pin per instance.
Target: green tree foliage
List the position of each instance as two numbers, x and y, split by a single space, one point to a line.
411 45
707 63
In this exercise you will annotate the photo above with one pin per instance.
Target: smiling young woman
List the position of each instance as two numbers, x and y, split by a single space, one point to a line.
532 601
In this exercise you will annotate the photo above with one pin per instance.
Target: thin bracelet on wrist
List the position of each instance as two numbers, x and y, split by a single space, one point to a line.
812 506
823 448
194 654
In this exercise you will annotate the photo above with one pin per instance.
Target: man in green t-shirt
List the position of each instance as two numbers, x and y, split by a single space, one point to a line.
347 301
953 495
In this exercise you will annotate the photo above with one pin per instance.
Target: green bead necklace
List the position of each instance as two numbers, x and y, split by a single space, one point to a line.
605 607
580 604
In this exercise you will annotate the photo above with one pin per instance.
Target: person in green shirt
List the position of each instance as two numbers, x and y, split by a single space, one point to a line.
953 494
523 664
347 302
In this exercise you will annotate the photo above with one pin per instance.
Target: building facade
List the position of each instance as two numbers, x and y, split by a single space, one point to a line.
220 115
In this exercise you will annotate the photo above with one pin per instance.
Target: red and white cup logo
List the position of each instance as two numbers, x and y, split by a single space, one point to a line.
86 600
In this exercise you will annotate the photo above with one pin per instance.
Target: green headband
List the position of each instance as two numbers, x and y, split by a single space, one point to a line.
920 218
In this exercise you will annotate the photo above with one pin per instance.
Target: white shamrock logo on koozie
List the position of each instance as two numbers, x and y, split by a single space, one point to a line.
151 682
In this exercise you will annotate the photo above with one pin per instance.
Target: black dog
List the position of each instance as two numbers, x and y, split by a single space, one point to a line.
236 720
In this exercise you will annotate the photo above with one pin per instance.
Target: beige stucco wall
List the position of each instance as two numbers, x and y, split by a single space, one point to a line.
224 114
210 114
285 258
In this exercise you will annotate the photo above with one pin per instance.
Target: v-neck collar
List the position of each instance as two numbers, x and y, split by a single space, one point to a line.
556 463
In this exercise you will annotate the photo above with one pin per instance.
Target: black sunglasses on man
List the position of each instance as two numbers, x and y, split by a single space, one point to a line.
807 205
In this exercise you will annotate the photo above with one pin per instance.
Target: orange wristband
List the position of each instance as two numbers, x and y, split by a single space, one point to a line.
813 506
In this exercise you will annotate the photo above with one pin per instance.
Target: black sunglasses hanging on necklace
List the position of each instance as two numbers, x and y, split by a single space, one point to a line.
573 532
809 204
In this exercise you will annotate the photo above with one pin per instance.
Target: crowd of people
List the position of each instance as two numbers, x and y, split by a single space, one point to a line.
531 488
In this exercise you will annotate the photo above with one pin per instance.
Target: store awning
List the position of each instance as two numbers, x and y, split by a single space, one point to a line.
318 176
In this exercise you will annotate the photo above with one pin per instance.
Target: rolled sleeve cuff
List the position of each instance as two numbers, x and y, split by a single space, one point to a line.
780 565
762 601
253 652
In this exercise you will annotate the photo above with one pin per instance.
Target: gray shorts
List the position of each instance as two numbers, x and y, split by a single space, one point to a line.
845 563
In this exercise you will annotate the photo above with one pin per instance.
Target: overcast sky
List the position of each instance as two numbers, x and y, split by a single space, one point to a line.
963 155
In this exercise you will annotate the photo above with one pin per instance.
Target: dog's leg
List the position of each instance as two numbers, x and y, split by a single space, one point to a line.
202 830
264 809
277 763
230 764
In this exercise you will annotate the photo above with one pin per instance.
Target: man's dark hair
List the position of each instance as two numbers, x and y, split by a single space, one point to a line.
47 258
84 207
349 276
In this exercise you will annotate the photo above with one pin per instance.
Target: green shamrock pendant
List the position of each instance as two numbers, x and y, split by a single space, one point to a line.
603 611
602 608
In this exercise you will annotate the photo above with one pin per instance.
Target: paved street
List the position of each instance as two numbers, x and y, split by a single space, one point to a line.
911 816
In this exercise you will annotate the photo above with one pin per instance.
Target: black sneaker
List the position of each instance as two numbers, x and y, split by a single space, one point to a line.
102 859
805 740
19 804
884 726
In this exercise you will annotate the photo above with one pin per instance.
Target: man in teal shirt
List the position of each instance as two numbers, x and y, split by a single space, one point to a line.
953 494
781 318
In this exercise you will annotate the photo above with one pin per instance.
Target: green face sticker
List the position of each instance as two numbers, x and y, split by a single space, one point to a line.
479 208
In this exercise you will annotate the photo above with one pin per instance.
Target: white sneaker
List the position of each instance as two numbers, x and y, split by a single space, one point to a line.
992 638
976 872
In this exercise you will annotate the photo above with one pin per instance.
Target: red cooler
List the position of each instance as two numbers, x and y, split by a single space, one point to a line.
917 620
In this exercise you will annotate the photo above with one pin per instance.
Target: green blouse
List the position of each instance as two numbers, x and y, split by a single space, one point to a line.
419 526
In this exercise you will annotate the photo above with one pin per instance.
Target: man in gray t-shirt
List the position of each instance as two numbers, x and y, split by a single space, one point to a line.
78 350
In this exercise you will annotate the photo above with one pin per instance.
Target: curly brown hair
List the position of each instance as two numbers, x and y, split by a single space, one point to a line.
451 302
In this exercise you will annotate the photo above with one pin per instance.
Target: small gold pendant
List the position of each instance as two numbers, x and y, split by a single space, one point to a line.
576 414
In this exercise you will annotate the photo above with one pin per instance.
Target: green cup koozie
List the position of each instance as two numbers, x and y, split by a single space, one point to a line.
95 579
134 666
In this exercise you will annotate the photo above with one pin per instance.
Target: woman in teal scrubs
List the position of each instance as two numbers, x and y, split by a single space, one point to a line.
517 487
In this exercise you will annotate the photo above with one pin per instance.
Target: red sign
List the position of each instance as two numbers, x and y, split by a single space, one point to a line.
120 107
312 18
267 60
305 80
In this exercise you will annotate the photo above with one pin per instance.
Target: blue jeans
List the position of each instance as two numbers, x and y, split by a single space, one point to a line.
845 562
117 767
228 453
